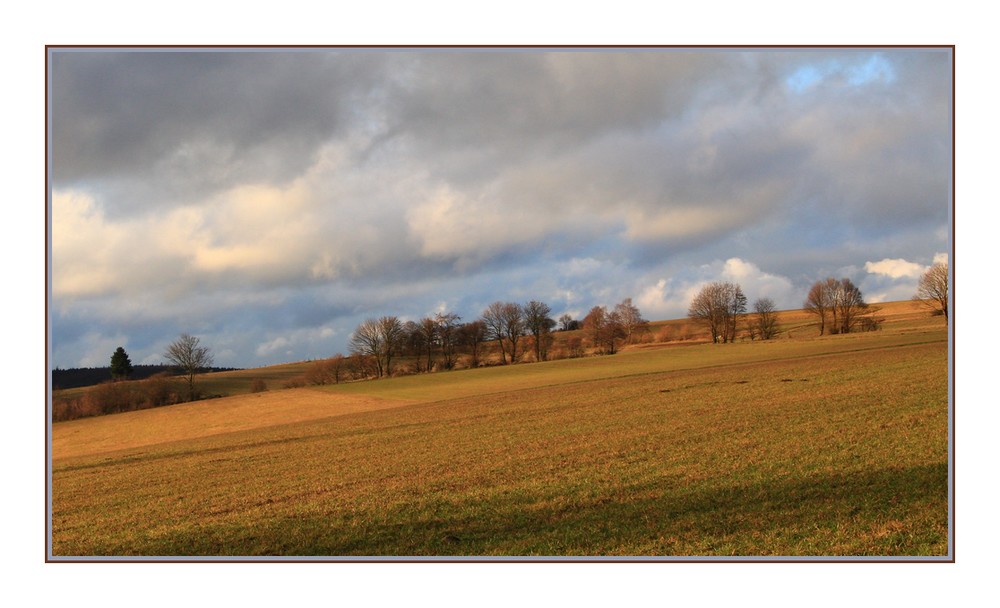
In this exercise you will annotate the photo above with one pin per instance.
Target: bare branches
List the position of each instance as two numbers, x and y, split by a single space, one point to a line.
933 288
719 306
840 301
766 321
191 358
379 339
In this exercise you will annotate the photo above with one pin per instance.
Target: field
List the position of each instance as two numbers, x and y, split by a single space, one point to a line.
800 446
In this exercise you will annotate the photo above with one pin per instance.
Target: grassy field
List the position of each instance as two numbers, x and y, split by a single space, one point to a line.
798 446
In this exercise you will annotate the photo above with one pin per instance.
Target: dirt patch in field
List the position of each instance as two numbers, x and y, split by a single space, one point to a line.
204 418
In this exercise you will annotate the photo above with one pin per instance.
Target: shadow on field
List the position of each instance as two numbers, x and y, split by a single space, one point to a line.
893 511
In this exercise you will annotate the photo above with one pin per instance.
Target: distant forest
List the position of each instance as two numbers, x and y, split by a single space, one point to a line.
89 376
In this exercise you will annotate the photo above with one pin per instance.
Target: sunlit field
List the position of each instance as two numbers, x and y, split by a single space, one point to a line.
799 446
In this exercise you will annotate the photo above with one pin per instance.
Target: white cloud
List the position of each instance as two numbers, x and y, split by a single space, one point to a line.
276 345
670 298
892 280
737 269
84 246
666 299
759 284
895 268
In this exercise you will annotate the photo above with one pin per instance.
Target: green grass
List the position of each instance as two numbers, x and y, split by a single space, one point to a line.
826 446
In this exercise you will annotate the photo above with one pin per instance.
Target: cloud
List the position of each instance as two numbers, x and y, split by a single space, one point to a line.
468 231
896 268
82 245
254 197
890 280
670 298
278 345
679 224
99 348
165 126
666 299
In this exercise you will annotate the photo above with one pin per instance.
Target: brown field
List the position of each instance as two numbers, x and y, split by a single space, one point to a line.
803 445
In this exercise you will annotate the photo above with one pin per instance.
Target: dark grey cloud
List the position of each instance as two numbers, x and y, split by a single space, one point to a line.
163 125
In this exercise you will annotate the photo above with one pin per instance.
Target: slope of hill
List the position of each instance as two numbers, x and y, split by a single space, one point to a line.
834 445
78 377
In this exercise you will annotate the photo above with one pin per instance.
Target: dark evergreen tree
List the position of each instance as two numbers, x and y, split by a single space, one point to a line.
121 366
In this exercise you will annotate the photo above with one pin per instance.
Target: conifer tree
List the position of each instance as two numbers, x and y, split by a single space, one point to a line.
121 366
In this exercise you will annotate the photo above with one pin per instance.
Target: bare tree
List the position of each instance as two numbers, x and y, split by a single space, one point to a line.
380 339
446 329
539 325
427 329
605 329
849 306
593 325
737 307
413 342
505 324
705 309
186 354
630 318
818 303
471 336
366 342
841 300
719 306
765 324
933 288
566 323
493 322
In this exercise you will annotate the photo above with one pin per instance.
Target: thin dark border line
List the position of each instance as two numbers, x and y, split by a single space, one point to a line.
521 47
952 333
949 558
48 316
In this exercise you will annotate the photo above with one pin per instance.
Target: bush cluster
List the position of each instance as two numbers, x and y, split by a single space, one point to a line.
113 397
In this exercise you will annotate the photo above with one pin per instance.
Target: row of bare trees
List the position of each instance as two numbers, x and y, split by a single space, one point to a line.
719 306
837 304
443 336
722 307
607 329
516 329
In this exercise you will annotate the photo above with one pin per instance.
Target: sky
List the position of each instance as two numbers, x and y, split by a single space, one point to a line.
268 201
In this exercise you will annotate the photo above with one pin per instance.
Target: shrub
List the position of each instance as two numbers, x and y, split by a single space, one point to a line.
111 397
574 347
160 390
320 372
71 408
257 385
295 382
871 324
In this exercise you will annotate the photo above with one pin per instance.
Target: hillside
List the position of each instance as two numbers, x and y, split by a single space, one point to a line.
792 325
79 377
804 445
